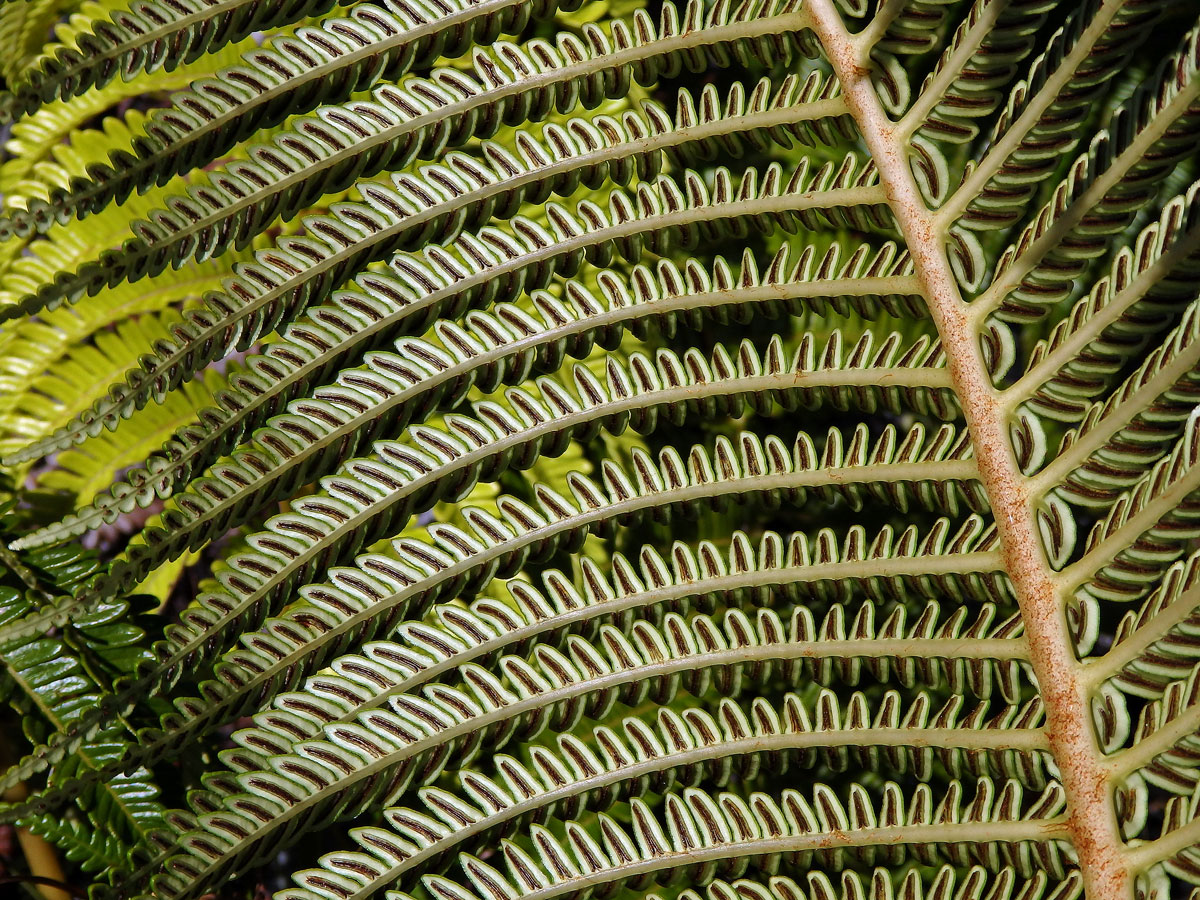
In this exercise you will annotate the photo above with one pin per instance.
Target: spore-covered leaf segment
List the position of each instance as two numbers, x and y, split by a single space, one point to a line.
675 449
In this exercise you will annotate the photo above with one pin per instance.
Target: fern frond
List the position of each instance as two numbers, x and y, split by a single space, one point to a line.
1155 645
1120 173
459 560
870 284
907 27
881 884
1165 749
364 601
982 55
653 216
149 35
24 28
933 647
83 371
1121 438
292 74
1035 127
39 137
697 829
409 479
326 153
53 682
1144 531
685 747
1175 849
1147 285
744 451
390 744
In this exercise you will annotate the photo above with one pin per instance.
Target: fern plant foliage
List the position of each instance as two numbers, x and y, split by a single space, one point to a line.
519 449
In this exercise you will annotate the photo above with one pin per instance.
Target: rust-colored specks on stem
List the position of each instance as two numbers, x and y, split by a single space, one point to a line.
1080 761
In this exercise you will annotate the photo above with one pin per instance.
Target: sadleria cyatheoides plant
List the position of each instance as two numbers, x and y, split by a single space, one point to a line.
682 449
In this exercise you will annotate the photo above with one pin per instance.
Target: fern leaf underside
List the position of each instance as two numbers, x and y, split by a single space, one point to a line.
491 450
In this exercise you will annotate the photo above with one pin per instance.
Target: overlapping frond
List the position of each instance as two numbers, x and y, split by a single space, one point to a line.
52 682
147 35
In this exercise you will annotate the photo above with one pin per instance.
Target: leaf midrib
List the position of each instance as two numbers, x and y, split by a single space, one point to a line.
1092 823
